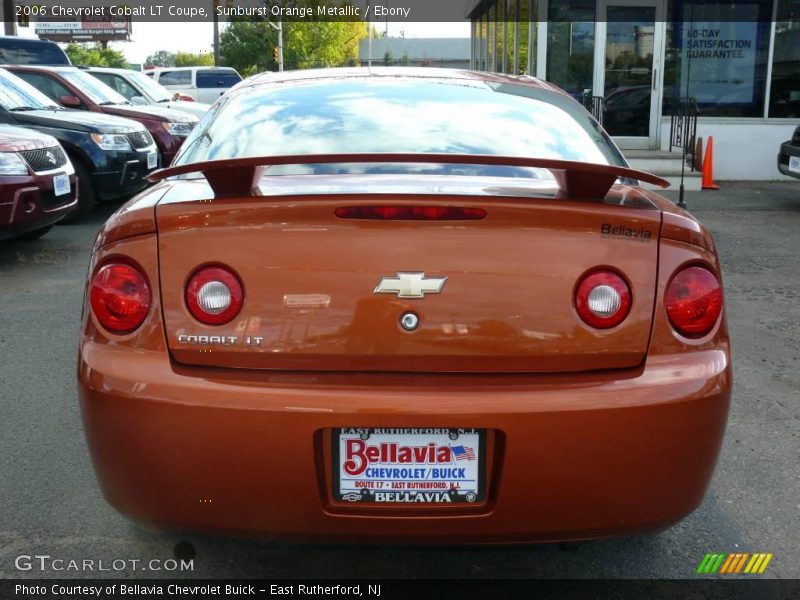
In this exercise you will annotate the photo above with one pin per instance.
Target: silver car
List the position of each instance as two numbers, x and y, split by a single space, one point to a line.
140 89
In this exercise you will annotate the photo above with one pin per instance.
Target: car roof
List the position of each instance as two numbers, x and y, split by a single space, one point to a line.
429 73
25 40
48 68
107 70
191 68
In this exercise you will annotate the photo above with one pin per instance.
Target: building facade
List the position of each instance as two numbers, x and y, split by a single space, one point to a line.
449 53
740 63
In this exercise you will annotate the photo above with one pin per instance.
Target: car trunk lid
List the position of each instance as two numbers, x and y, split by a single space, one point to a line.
314 297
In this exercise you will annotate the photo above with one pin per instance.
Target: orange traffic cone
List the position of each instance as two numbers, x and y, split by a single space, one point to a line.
708 167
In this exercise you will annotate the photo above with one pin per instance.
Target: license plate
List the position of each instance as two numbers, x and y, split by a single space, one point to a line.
152 160
794 164
401 466
61 184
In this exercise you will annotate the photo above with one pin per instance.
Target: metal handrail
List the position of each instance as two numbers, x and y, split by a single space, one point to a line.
594 104
683 128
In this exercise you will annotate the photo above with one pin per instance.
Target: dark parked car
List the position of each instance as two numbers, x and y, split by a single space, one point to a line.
111 155
789 156
37 183
75 88
21 51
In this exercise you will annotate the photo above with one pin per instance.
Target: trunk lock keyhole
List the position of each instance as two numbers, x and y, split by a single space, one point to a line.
409 321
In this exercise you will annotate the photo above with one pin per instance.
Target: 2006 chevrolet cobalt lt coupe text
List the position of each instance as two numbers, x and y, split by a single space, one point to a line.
403 305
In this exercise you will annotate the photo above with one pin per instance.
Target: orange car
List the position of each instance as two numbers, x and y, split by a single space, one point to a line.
403 305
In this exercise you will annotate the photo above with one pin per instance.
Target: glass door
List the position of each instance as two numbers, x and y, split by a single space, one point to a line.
628 69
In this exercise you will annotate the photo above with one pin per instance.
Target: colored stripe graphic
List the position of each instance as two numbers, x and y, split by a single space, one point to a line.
715 567
765 563
740 564
735 563
710 563
727 564
703 563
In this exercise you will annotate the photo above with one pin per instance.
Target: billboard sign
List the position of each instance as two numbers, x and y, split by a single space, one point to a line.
82 29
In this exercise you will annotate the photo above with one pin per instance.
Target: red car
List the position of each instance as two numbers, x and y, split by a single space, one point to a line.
404 305
37 183
75 88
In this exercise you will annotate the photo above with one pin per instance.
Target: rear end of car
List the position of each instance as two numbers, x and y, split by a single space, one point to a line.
470 351
37 184
211 83
789 156
201 84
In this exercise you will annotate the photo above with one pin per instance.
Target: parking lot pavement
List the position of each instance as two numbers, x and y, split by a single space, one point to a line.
50 503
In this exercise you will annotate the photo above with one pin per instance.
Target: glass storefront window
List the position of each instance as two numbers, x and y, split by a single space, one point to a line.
717 53
475 43
490 39
512 7
570 45
501 37
485 42
524 32
784 98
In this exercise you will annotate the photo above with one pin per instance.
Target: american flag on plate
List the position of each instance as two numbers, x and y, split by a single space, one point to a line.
463 452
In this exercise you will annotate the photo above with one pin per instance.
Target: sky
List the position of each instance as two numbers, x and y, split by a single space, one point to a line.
148 38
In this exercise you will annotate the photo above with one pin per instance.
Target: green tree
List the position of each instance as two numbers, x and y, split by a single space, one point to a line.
189 59
162 58
247 45
95 55
320 44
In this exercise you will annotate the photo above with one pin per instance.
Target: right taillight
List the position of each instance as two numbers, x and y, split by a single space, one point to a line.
693 301
603 299
214 295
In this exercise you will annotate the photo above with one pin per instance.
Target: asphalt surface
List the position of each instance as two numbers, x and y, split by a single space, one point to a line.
50 503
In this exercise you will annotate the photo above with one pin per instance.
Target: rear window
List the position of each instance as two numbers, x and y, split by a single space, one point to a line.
380 115
175 78
31 52
217 79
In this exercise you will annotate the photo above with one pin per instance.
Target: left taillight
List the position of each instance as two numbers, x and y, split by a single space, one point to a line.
120 297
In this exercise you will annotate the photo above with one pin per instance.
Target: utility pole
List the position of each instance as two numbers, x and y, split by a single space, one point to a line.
10 17
214 5
280 46
369 37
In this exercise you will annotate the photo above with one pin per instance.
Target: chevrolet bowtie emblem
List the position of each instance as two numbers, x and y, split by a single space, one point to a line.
410 285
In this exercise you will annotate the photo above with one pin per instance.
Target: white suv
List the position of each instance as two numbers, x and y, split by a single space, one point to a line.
204 84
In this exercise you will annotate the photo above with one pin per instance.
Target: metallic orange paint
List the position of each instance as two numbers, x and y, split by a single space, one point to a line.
571 455
589 433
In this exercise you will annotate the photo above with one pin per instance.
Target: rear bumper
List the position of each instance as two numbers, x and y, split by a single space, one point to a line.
27 203
569 457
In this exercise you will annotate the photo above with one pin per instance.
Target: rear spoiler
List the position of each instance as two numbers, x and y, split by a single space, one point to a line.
236 177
